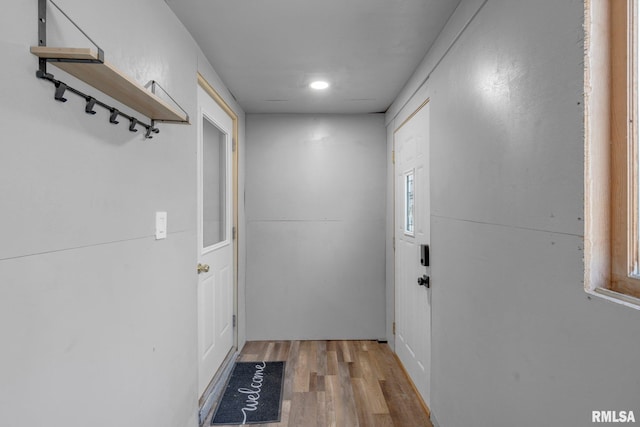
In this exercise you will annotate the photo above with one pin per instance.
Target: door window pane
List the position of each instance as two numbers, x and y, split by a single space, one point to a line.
214 172
409 203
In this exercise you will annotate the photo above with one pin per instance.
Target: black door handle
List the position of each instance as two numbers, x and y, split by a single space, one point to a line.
424 281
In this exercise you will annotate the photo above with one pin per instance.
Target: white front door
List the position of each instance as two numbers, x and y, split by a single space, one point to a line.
215 240
412 231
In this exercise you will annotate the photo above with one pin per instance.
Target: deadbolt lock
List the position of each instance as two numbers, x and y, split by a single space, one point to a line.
203 268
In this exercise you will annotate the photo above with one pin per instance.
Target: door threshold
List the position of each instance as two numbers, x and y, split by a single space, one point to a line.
213 393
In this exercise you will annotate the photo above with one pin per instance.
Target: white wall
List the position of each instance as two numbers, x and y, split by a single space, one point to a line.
315 197
516 341
97 318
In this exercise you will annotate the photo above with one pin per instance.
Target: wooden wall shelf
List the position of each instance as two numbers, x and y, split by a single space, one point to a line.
108 79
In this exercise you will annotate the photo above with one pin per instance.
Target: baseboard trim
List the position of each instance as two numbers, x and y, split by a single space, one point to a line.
434 421
415 389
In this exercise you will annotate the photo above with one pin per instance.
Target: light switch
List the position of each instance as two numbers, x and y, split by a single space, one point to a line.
161 225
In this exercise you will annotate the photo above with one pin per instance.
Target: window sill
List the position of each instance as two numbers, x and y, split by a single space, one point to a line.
616 297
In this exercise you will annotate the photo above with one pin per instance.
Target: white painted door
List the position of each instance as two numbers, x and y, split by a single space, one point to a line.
412 229
215 240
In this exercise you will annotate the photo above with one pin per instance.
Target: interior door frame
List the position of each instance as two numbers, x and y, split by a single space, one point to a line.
204 84
395 259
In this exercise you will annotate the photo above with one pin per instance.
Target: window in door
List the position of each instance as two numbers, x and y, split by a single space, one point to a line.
409 203
214 169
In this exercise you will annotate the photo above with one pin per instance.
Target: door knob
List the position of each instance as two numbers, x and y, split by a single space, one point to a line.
424 281
203 268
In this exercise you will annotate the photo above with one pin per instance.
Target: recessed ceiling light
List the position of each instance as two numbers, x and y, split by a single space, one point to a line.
319 85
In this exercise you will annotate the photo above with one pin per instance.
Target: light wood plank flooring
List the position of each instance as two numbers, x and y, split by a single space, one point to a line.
340 384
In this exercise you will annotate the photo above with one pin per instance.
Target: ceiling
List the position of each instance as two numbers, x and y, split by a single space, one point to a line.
268 51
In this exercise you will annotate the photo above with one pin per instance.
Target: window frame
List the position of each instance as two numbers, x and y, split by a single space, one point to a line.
624 152
611 153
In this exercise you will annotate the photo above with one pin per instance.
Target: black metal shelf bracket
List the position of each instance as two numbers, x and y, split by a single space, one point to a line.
91 102
42 36
153 85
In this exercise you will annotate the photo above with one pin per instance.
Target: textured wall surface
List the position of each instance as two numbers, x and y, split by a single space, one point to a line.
515 340
97 318
315 213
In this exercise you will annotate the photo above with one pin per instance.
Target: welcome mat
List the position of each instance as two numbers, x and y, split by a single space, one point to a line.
253 394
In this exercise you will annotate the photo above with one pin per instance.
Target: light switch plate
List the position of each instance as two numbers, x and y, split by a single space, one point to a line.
161 225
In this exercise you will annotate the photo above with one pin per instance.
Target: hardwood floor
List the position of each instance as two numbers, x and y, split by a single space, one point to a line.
340 384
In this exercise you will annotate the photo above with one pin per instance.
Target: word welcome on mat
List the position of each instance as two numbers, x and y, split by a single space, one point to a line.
253 394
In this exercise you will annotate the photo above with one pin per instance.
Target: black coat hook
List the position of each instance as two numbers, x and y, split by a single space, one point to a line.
60 90
132 124
150 130
91 102
114 116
